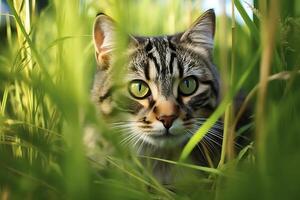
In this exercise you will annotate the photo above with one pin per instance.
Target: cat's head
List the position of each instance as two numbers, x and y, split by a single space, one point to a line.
171 85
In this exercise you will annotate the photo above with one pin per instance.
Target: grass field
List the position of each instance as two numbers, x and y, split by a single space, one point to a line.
46 71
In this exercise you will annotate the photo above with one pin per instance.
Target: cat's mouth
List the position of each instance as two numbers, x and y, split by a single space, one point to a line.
167 139
166 134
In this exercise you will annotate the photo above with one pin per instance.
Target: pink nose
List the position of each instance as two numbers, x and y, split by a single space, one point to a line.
167 120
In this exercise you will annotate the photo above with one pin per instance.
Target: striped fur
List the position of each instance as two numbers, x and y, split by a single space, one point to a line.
161 62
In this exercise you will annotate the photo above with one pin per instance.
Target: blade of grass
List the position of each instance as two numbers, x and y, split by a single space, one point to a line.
118 186
4 101
285 75
18 122
113 162
62 39
35 52
34 179
16 143
225 74
268 36
196 167
196 138
148 174
8 30
253 28
228 135
250 24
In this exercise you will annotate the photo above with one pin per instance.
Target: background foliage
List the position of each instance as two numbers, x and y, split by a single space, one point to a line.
46 71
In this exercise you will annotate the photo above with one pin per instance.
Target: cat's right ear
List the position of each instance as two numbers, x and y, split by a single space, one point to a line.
103 36
201 33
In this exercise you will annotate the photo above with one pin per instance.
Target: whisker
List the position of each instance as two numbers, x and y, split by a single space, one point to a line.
212 140
137 141
123 131
129 135
121 126
218 122
190 133
211 148
215 134
220 136
217 126
142 143
207 155
127 139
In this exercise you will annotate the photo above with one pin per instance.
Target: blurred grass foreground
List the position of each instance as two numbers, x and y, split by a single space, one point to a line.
46 70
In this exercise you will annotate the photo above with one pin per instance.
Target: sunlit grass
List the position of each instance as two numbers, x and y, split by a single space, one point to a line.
46 69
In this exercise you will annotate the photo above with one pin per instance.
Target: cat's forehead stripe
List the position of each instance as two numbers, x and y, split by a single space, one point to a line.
162 61
153 58
147 70
152 73
171 64
171 45
162 52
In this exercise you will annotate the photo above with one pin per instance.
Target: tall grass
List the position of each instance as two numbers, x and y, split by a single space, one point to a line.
46 69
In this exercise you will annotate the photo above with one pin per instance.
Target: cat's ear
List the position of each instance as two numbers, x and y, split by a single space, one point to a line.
104 36
201 33
104 39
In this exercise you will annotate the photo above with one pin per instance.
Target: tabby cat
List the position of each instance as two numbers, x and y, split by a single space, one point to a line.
171 88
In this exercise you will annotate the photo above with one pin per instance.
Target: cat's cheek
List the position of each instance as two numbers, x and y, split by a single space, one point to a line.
177 128
106 107
185 100
158 129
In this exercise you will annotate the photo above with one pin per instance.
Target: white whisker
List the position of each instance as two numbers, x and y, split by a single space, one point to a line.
212 140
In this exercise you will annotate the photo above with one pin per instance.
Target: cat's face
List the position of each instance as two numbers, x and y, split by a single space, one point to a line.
171 85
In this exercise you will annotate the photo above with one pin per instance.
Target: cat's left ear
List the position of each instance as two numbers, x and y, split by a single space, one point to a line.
201 33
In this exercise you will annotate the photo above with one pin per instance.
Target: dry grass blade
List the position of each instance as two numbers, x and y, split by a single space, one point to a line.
268 33
285 75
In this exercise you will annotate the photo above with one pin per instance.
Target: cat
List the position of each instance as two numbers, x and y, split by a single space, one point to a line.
171 87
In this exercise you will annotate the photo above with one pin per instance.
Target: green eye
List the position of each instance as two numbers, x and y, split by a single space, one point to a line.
188 86
139 89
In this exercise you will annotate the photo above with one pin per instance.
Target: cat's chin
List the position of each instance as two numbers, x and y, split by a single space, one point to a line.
166 140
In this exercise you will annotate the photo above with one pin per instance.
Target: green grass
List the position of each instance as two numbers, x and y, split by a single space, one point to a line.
46 71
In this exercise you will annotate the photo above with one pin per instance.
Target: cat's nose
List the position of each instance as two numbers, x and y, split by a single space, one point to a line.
167 120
